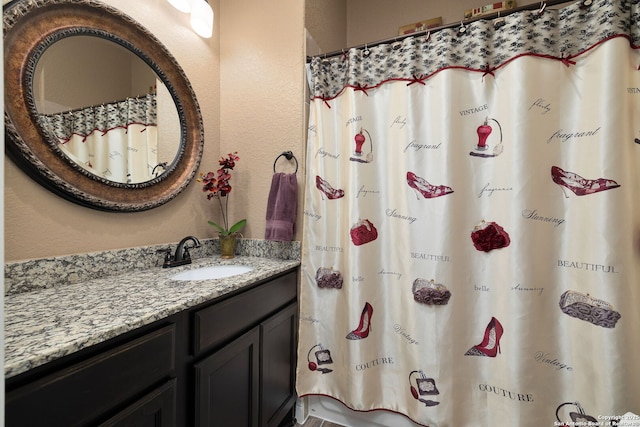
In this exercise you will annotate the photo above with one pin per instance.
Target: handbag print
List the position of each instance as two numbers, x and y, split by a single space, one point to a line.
589 309
328 278
363 232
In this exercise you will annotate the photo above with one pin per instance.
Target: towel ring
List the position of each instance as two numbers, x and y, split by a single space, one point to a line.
288 155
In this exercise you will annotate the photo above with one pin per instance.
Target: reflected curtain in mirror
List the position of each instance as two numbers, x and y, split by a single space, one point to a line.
116 141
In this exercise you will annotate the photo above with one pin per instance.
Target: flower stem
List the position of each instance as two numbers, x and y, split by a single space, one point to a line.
226 211
222 211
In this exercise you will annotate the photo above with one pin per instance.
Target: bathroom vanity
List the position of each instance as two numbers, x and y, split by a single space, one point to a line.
143 349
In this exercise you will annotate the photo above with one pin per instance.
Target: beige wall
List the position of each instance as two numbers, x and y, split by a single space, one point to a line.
78 63
247 76
372 20
262 86
326 21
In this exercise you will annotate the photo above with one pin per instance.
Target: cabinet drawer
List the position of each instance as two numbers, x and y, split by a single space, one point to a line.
157 409
80 394
226 319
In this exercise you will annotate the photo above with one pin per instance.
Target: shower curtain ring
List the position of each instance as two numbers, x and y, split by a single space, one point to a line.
543 6
462 28
498 22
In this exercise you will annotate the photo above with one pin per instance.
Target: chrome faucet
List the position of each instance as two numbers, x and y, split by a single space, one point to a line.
182 255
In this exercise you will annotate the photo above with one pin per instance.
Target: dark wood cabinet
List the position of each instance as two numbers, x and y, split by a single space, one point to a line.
227 384
229 362
156 409
85 392
250 382
278 344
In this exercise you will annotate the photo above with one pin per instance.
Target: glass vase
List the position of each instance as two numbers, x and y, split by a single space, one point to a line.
228 246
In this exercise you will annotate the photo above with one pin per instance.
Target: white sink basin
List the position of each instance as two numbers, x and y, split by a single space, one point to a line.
212 272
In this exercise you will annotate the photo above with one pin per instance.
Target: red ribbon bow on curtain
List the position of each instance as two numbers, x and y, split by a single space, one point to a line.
488 69
362 88
567 62
417 79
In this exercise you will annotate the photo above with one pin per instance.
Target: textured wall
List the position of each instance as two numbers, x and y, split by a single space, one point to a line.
372 20
262 77
326 21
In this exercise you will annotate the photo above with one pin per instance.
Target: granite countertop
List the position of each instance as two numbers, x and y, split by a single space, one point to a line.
47 324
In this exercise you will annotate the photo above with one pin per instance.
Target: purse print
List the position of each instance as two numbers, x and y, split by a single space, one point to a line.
429 292
489 236
579 418
328 278
363 232
589 309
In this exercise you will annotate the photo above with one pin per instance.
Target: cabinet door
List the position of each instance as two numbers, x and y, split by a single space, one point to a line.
278 363
156 409
227 384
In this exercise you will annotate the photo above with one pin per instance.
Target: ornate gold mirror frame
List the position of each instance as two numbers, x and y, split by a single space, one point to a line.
30 27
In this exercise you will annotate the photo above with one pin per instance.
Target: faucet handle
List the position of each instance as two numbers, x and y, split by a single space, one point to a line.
168 258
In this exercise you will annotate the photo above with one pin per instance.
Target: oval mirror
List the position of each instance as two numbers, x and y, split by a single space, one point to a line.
96 109
106 109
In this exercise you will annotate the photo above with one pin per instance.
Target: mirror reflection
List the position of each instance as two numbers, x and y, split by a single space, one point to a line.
106 109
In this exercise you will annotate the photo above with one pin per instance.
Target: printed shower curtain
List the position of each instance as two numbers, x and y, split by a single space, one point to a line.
115 141
471 253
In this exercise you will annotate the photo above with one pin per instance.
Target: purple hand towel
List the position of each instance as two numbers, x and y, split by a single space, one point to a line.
282 207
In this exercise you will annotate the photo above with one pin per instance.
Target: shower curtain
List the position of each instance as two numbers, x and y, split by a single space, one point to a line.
471 251
115 141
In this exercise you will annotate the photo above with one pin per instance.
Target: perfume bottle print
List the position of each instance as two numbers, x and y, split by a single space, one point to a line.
579 418
578 185
424 387
359 155
323 357
362 331
425 189
326 189
488 236
490 345
482 148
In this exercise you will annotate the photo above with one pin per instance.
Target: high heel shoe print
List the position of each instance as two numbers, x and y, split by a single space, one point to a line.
490 345
327 189
365 324
428 191
578 185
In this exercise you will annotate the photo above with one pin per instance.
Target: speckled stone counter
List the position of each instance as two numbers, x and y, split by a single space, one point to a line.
29 275
45 324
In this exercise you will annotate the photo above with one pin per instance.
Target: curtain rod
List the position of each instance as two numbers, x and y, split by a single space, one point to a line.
495 15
